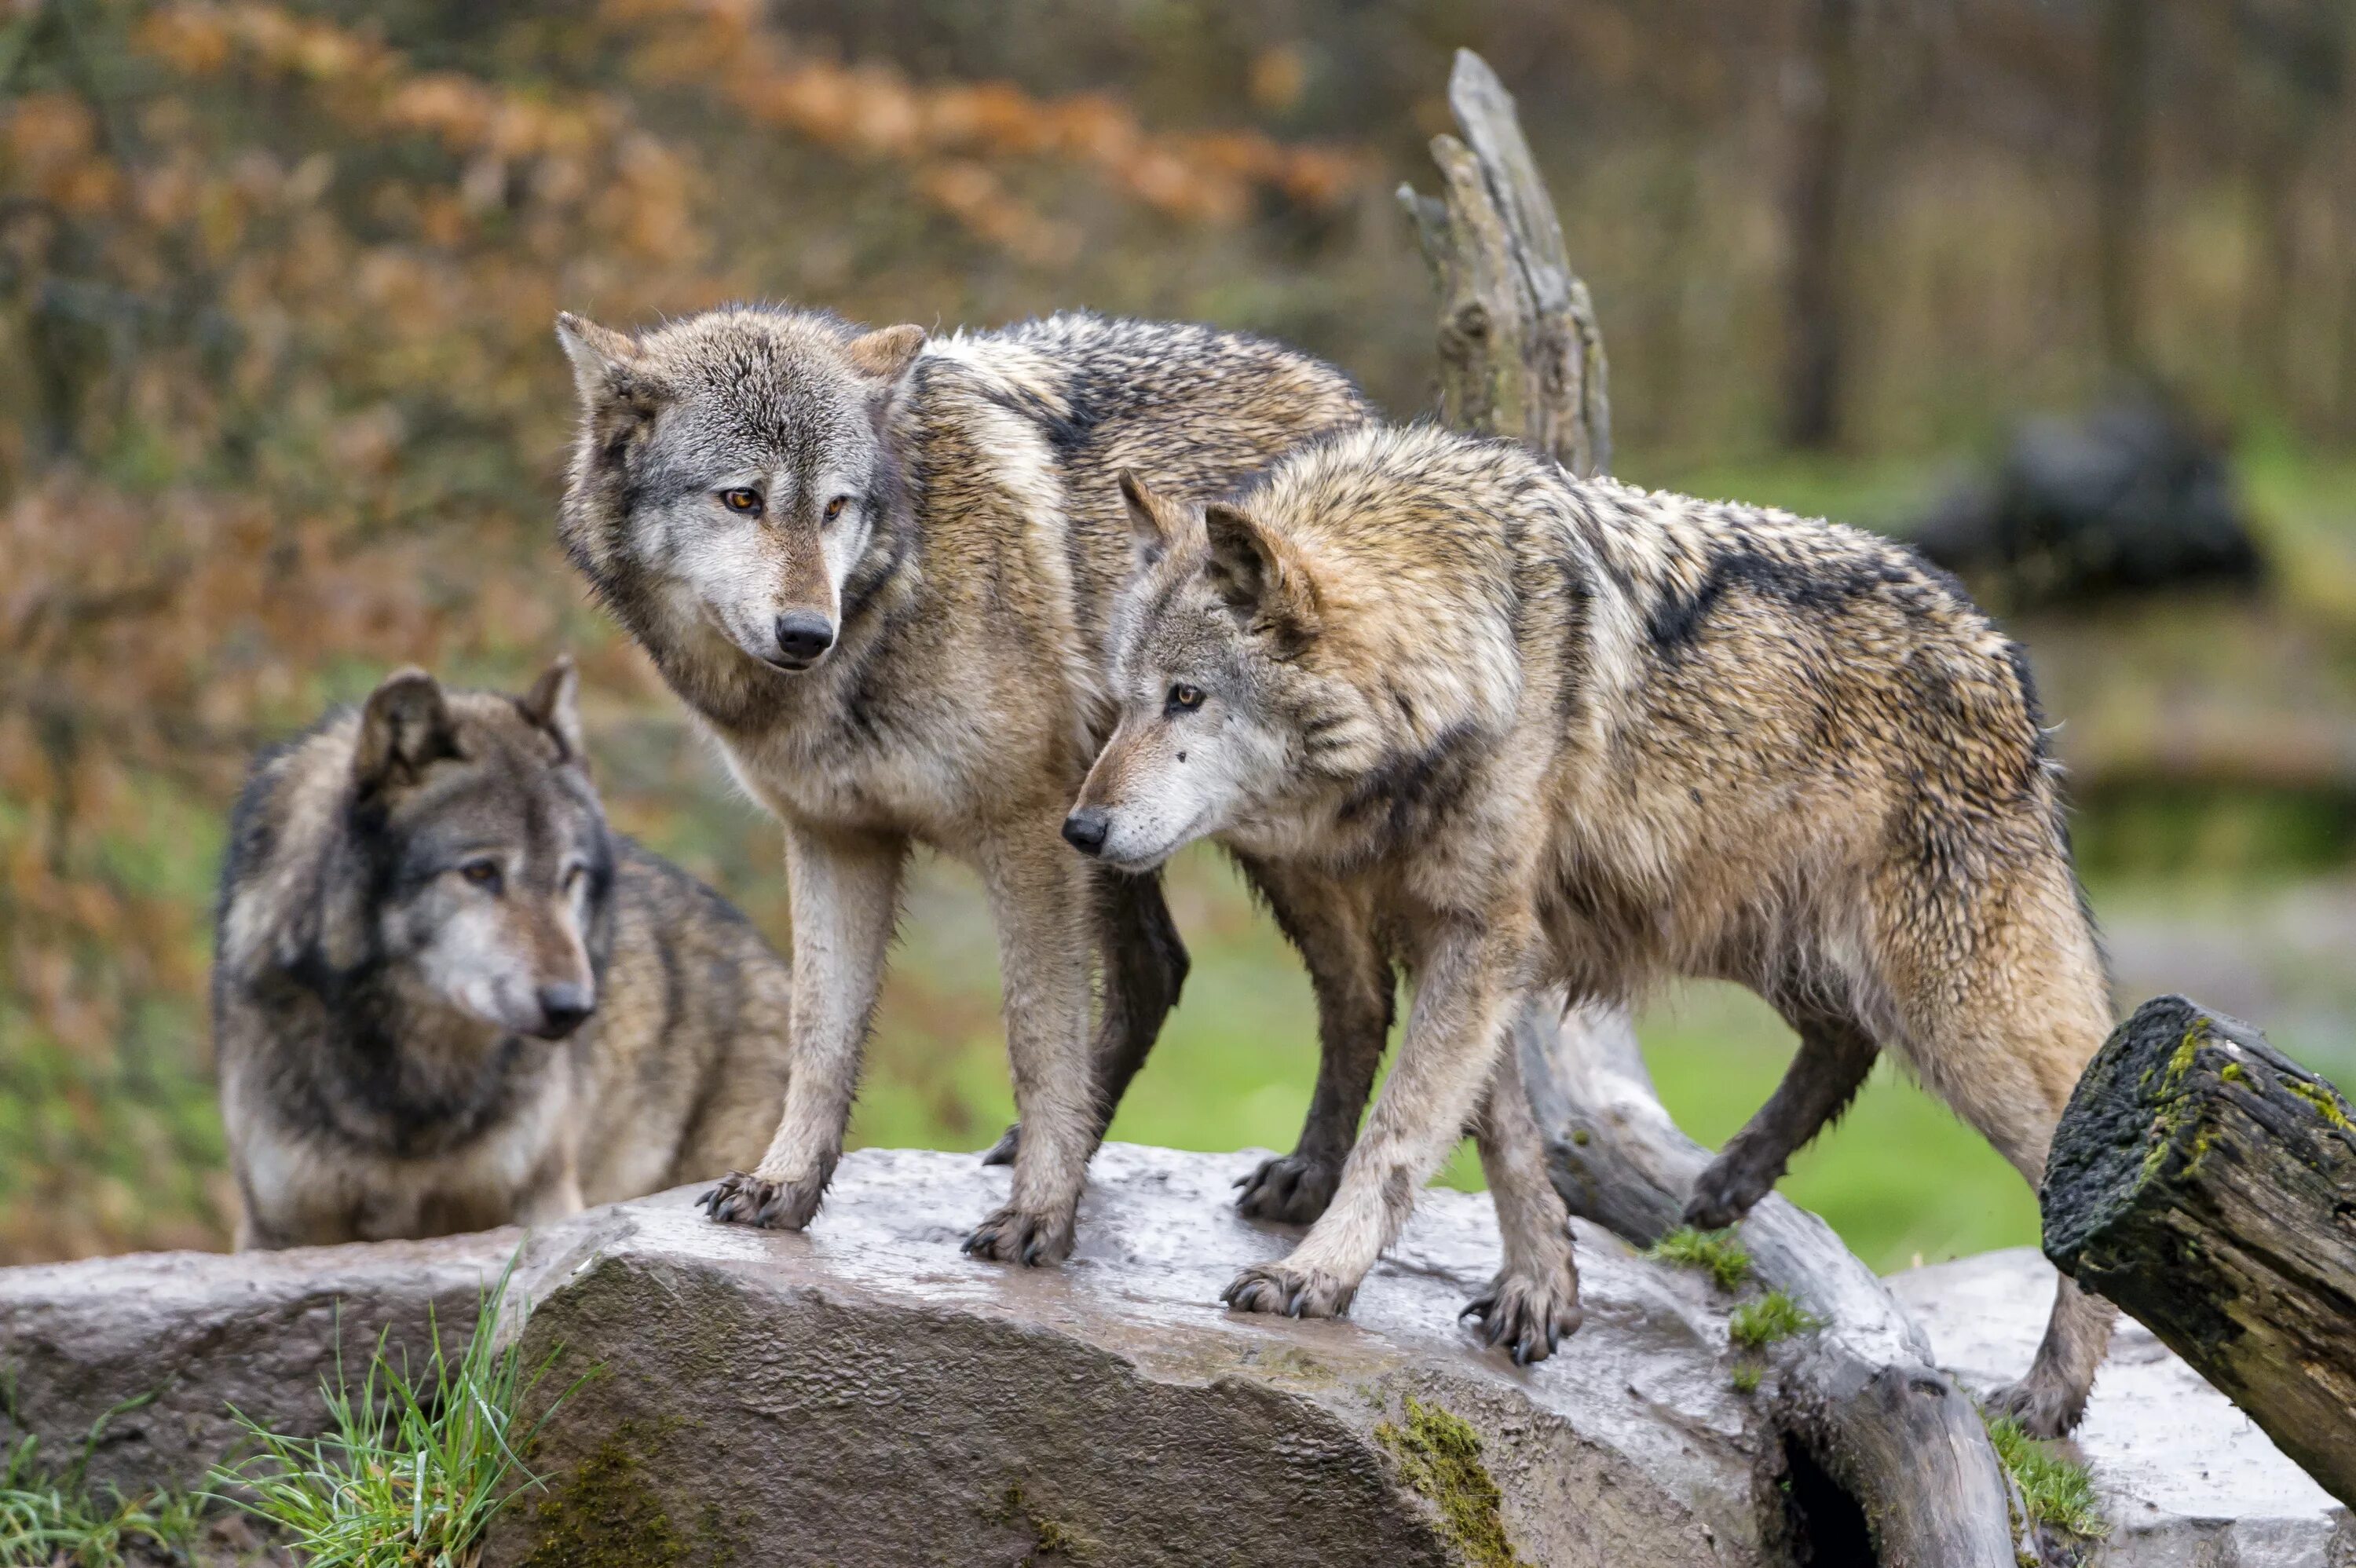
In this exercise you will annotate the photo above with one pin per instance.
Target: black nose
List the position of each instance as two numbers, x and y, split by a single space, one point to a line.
564 1008
803 634
1086 829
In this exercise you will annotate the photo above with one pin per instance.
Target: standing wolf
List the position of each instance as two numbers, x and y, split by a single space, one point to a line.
446 996
1565 732
879 569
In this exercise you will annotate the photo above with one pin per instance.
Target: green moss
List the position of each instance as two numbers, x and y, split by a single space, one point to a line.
1745 1377
2056 1492
2326 1103
2232 1073
2187 1051
1439 1455
1717 1252
1755 1325
604 1515
1053 1541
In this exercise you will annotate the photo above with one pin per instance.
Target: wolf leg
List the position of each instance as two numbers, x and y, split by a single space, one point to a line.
846 895
2001 1032
1145 968
1334 929
1835 1057
1454 1035
1533 1304
1041 899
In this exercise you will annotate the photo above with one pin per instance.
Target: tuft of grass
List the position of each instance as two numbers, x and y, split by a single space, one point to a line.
2053 1490
1755 1325
415 1468
1745 1377
53 1519
1716 1252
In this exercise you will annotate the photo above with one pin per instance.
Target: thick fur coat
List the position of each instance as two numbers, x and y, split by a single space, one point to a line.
446 996
1563 732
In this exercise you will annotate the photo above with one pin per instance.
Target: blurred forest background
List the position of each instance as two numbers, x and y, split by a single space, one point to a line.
281 409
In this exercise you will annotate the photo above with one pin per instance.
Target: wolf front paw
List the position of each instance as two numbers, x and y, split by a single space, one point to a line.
1726 1192
1289 1292
1529 1318
1003 1151
1292 1190
1014 1235
2043 1406
744 1200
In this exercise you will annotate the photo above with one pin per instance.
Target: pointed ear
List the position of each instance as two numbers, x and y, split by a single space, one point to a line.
1156 523
404 728
554 703
1259 575
885 353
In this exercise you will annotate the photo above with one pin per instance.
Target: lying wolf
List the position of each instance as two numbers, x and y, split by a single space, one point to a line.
446 996
879 569
1565 732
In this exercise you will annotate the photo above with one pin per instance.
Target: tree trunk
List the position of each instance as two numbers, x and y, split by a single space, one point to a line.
2122 177
2207 1184
1817 323
1859 1403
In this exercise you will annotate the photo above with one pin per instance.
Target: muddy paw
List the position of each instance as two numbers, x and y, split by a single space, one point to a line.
1015 1236
1293 1190
753 1200
2042 1406
1289 1292
1725 1192
1529 1318
1003 1151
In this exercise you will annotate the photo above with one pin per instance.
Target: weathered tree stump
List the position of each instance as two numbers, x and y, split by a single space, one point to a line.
2207 1184
1860 1403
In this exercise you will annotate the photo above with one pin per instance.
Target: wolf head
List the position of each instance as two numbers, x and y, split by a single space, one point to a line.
484 864
1223 710
731 472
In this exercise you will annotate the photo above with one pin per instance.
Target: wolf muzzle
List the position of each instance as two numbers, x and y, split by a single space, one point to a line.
1086 829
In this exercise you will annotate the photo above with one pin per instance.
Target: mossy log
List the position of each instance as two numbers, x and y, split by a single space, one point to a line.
1521 355
2207 1184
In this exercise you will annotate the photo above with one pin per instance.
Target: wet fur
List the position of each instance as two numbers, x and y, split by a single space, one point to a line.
360 1105
1568 732
969 579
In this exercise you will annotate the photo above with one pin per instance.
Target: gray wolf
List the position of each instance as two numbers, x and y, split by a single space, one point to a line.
447 996
878 566
1564 732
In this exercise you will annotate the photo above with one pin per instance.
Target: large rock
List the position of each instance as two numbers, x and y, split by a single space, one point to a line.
863 1394
2186 1480
193 1334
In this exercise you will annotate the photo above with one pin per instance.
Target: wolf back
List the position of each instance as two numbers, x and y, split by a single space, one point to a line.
420 1030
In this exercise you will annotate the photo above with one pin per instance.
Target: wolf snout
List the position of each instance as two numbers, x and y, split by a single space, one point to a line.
564 1008
802 636
1086 829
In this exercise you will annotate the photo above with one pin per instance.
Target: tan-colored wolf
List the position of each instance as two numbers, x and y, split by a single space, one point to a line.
448 997
879 569
1568 732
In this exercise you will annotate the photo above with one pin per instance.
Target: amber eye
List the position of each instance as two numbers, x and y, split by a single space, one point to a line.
747 502
834 508
1185 698
483 874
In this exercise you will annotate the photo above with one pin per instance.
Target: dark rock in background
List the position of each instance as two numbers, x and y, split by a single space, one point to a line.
2130 497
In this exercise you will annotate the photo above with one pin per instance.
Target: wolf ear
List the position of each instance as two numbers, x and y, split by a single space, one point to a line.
885 353
404 728
553 704
1259 575
608 366
1156 523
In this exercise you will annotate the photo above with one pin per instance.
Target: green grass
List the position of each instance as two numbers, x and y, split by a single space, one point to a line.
1715 1253
1774 1317
51 1517
414 1467
2053 1490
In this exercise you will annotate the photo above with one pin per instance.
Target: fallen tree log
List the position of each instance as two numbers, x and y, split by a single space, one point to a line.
1875 1440
2206 1183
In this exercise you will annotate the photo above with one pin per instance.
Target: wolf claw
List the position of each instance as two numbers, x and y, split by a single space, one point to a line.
1292 1190
1532 1316
1014 1236
1003 1151
1281 1291
754 1200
